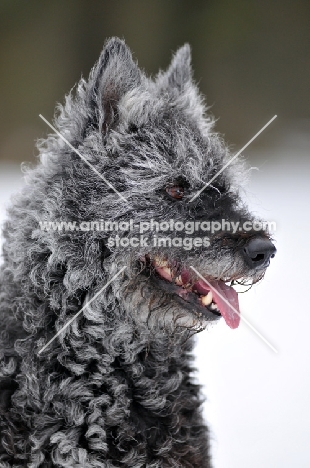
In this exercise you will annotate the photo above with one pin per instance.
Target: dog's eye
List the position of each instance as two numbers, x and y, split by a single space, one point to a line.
176 191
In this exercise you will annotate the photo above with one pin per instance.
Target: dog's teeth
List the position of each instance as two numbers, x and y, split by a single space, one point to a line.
206 300
213 306
165 273
160 263
178 281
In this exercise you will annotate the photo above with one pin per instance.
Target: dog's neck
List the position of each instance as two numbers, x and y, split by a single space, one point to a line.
160 408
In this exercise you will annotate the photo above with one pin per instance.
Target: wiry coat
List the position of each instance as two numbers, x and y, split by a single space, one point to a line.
116 387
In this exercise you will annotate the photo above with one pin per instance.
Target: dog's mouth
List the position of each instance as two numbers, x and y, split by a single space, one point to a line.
208 297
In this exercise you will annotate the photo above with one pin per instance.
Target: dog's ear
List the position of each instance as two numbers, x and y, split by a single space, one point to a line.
179 72
115 74
177 80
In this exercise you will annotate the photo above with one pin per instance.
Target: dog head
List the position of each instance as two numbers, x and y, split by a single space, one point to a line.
151 188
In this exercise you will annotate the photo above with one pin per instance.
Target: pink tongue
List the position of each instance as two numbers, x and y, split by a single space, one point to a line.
225 298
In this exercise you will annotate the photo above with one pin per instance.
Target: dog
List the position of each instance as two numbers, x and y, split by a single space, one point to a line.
124 244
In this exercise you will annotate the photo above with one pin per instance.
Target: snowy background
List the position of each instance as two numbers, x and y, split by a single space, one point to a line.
258 401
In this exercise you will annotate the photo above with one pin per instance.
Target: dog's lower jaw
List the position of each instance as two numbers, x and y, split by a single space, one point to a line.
149 303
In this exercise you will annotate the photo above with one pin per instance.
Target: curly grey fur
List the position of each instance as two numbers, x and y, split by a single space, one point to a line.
116 387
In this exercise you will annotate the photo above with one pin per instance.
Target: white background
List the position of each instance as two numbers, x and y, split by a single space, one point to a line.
258 401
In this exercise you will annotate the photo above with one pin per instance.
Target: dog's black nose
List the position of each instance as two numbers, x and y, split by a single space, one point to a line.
258 252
